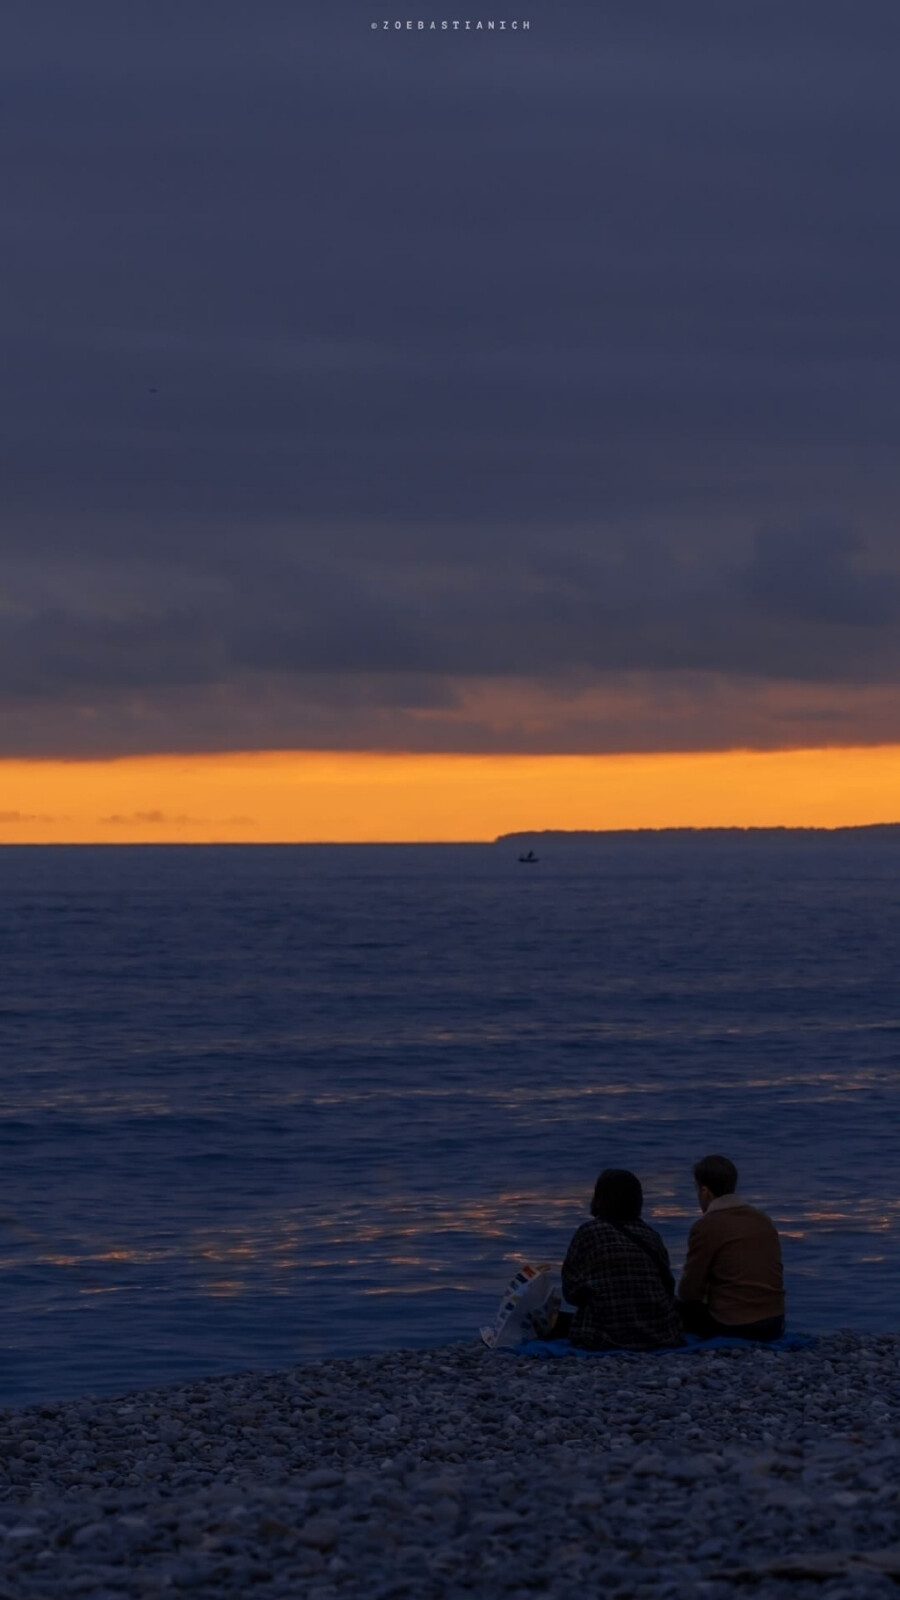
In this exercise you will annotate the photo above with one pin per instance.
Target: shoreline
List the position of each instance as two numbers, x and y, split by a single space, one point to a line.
458 1471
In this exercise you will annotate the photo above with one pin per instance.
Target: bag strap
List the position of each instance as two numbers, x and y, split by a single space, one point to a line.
642 1244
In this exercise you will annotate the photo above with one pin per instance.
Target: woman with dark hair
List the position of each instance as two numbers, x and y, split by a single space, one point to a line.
617 1275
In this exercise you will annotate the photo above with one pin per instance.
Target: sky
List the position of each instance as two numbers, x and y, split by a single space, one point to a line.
522 393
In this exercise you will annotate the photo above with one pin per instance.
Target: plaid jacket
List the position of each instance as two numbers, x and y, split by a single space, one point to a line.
624 1296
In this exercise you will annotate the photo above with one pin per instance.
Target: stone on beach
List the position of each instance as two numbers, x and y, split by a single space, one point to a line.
442 1473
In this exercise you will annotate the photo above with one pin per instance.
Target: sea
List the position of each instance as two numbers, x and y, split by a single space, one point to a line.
264 1105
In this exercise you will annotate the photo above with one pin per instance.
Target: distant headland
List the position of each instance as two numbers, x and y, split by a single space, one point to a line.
888 831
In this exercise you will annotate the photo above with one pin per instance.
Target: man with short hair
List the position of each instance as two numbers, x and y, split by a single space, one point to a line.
733 1282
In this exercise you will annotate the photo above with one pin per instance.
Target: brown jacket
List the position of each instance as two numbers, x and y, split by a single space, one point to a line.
733 1263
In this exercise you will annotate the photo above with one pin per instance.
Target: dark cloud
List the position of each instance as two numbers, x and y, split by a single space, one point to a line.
26 816
393 648
358 383
146 816
813 576
156 818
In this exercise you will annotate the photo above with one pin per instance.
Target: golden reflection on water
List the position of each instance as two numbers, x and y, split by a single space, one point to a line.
620 1101
224 1252
416 1243
120 1253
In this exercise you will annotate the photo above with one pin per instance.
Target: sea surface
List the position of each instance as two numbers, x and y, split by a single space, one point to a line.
262 1105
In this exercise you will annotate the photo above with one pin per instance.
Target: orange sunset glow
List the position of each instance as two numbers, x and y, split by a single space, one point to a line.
305 797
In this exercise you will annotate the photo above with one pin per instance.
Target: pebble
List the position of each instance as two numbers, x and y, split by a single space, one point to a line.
442 1473
320 1532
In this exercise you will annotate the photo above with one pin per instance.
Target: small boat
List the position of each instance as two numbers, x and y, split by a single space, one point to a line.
530 860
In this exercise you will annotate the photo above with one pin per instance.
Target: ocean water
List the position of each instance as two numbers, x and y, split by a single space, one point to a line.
265 1105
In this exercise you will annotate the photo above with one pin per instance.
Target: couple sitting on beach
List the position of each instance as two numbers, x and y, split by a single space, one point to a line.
617 1275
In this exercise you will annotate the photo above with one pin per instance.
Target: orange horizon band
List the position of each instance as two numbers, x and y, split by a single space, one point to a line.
371 797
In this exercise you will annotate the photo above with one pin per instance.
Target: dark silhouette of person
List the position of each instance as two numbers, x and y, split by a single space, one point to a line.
617 1275
733 1280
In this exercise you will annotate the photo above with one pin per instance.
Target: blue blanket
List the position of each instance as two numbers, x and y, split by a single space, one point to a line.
553 1349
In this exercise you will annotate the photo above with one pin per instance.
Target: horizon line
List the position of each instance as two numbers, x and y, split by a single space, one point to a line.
562 834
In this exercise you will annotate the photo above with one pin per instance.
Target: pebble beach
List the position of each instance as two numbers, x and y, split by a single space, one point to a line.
457 1471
